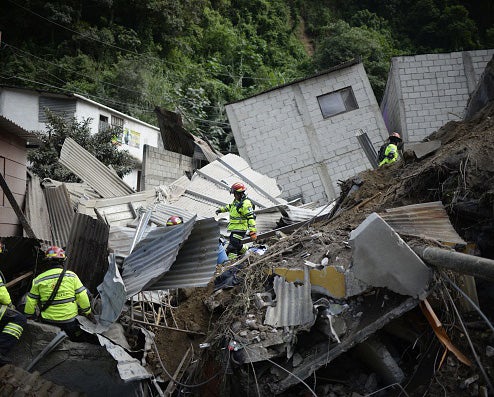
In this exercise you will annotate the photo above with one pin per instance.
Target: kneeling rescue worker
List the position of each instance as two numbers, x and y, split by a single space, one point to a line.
242 219
11 321
60 296
389 152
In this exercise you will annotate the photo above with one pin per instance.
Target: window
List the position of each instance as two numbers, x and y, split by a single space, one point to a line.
337 102
103 123
117 122
59 106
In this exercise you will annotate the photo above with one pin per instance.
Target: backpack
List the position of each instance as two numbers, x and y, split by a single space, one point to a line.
380 154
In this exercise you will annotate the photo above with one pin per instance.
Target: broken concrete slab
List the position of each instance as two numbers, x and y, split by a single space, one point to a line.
382 259
422 149
376 355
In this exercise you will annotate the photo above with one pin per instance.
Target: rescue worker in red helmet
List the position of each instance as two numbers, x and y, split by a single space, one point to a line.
388 153
60 296
11 321
242 220
174 220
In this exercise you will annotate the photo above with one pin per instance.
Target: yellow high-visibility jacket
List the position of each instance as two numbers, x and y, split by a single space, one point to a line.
242 216
390 154
4 297
71 296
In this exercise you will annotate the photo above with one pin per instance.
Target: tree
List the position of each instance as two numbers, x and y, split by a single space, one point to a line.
343 43
45 159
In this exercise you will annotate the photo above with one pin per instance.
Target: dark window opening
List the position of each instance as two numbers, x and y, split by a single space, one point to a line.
337 102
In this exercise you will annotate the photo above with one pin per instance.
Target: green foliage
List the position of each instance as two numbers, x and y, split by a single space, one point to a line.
194 56
343 43
44 160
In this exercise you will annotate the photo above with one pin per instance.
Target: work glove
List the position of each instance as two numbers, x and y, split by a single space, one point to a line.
391 155
253 236
91 318
218 211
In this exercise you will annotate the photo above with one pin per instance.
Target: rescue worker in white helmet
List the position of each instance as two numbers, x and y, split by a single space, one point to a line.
174 220
242 220
11 321
60 296
388 153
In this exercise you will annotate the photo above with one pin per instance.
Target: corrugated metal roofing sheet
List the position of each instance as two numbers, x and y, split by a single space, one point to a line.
113 294
92 171
197 204
15 381
426 220
162 212
87 248
196 261
293 303
61 213
222 174
153 256
36 209
77 191
118 210
13 128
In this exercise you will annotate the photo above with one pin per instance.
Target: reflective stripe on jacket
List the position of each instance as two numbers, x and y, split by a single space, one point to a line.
70 296
4 297
390 154
242 216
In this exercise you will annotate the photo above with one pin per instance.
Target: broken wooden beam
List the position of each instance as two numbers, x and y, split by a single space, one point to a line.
20 215
461 263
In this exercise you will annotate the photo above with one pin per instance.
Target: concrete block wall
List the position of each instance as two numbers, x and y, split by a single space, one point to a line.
282 133
432 90
162 167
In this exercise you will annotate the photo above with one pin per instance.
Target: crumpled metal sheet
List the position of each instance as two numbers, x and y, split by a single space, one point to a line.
293 303
92 171
128 367
153 256
196 261
113 294
61 214
426 220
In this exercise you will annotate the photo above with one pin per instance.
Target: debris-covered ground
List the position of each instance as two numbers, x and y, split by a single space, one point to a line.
236 353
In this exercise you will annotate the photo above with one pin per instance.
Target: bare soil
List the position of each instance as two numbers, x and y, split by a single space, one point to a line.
461 172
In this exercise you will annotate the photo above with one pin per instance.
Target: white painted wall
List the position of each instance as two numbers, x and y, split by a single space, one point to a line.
282 133
22 107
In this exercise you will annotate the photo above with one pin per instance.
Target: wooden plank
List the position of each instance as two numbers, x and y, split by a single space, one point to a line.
16 208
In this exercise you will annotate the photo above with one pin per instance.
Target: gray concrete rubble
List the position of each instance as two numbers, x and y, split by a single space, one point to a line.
80 367
423 149
382 259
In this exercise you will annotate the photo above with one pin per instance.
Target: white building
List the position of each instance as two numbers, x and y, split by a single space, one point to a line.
26 108
304 133
424 92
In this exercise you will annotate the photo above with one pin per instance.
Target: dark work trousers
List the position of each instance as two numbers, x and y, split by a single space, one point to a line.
235 246
74 331
12 325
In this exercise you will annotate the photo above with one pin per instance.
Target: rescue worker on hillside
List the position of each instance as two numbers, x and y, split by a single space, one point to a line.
60 296
388 153
11 321
242 219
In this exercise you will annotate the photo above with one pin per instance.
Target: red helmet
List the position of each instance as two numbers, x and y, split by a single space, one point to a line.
55 252
237 187
174 220
396 135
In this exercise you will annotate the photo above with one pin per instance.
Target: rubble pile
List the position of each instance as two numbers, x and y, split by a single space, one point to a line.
302 320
